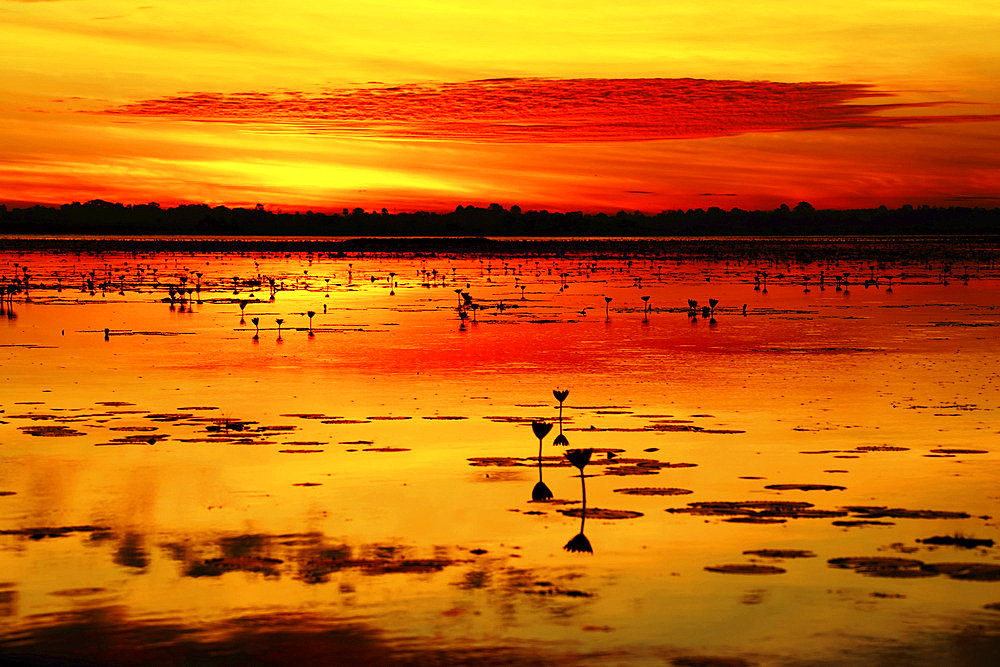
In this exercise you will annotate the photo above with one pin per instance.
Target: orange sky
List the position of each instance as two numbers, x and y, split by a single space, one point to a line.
561 105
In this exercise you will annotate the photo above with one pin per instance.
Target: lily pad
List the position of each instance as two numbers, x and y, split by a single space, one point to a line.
601 513
653 491
745 568
780 553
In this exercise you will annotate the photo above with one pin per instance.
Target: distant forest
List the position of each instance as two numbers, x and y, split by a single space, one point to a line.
101 217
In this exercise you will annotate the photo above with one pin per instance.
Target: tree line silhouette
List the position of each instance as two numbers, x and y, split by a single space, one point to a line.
102 217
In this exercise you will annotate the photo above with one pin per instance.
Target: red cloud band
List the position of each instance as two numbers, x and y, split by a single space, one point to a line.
551 110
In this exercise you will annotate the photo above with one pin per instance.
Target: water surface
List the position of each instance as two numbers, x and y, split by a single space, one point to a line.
190 486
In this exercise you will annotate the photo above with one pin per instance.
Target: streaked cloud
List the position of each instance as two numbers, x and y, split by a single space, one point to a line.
529 110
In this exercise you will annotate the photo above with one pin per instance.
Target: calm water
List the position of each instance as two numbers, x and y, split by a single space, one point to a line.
182 490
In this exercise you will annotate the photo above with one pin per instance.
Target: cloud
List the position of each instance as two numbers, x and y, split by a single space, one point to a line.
540 110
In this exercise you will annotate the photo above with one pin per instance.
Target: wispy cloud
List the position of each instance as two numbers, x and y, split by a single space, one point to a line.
552 110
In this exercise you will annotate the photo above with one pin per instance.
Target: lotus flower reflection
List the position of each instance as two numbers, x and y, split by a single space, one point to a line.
541 491
580 458
560 395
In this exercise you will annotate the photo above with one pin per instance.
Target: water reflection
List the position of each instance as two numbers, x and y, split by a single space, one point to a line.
580 458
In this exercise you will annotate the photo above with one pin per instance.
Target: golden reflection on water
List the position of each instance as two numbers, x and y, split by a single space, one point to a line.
321 484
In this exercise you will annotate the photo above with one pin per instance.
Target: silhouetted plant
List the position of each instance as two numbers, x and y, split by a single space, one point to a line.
607 307
311 314
280 321
243 305
256 324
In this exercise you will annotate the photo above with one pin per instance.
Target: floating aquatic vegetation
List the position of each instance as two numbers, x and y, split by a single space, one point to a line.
346 421
879 512
386 449
215 567
653 491
883 566
51 431
880 448
114 404
862 522
546 588
957 541
138 429
385 418
757 509
168 416
805 487
745 568
300 451
307 484
780 553
8 493
955 450
601 513
445 417
887 566
53 531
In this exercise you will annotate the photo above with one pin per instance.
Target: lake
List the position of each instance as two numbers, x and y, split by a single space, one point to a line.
805 472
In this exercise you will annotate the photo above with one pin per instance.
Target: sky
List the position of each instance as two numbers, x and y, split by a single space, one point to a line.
562 105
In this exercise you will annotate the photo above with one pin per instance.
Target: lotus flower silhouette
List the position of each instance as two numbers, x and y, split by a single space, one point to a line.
579 457
541 429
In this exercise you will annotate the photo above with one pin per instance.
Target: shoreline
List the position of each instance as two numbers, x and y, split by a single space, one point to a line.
978 248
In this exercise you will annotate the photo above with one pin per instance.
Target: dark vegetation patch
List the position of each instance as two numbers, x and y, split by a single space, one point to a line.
908 568
653 491
881 448
805 487
51 431
446 417
862 522
751 510
386 418
955 450
53 531
780 553
879 512
300 451
601 513
549 589
957 541
745 568
215 567
387 449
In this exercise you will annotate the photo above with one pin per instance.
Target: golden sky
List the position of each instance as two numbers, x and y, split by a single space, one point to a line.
560 105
